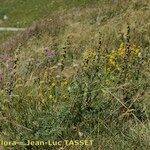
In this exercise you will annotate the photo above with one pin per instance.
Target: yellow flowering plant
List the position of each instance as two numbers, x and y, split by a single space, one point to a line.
116 57
88 57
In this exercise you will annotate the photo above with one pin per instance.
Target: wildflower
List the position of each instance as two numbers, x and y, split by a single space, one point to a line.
53 84
49 53
46 74
6 57
135 50
116 56
69 88
42 82
58 76
139 54
89 54
50 97
59 64
75 65
64 83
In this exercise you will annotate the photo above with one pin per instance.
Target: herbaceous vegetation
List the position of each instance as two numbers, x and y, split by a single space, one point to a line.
80 73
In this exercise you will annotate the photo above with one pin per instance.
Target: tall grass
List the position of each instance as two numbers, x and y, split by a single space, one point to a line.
83 74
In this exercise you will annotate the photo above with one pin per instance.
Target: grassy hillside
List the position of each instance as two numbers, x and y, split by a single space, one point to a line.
22 13
81 72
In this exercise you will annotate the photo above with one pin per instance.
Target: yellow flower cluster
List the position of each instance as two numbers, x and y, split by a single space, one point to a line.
135 50
115 58
51 97
89 54
64 83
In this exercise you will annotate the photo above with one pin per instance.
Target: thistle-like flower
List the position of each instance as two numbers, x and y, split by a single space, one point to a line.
49 53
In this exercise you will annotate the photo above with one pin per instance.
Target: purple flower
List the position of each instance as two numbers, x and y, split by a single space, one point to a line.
49 53
5 57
